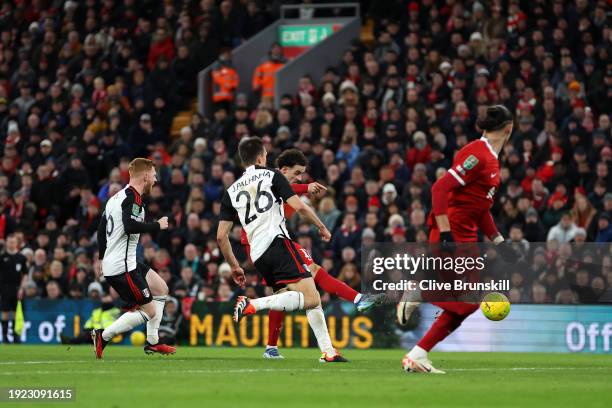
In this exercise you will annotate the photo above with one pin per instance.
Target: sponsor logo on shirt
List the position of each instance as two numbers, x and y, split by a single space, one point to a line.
470 162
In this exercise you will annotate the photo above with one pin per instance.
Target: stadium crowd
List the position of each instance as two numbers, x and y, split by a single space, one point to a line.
86 86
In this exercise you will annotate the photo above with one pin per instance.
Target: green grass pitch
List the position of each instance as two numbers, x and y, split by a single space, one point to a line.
226 377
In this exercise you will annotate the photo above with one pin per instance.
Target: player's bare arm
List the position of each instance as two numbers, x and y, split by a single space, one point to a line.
443 223
307 212
225 246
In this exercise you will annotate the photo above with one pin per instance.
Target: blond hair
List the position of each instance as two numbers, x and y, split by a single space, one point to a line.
139 165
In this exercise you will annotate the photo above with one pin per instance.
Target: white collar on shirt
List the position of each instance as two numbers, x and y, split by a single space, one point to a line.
493 152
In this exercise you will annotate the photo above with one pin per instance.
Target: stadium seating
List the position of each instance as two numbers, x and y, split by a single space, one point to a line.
76 82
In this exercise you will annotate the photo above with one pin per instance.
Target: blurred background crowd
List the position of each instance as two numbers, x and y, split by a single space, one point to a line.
86 86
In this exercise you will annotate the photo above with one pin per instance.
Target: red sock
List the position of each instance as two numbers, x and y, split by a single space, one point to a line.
275 323
444 325
333 286
460 308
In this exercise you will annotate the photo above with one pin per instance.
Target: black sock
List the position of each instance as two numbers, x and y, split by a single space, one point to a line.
16 337
5 331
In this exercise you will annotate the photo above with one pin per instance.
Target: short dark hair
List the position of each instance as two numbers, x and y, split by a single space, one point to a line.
290 158
249 148
496 118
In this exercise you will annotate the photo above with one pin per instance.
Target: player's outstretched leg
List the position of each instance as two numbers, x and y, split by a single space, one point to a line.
275 323
367 301
417 360
159 290
286 301
336 287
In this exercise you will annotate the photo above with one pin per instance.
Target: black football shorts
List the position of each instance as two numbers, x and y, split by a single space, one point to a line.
282 263
132 286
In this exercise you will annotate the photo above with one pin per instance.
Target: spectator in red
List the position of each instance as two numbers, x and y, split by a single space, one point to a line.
161 46
420 153
556 206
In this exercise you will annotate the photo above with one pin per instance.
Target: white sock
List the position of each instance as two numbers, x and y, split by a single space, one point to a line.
357 298
417 352
316 319
153 324
271 347
285 302
125 322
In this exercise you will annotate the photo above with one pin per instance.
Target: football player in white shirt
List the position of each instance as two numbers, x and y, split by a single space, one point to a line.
140 286
256 200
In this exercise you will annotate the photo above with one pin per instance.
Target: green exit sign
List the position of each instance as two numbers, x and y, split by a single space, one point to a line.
305 35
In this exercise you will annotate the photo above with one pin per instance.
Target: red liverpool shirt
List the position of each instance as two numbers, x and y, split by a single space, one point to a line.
470 185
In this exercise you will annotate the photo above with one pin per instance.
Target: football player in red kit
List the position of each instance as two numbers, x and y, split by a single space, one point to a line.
292 163
461 200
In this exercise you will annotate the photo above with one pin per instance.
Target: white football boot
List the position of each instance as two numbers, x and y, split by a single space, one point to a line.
419 365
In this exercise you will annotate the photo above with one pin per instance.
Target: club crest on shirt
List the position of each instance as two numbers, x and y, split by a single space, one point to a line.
135 209
470 162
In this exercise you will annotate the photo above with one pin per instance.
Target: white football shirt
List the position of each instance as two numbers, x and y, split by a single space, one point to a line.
256 199
119 231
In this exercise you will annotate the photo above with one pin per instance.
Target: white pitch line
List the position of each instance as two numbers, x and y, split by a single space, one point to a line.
256 370
47 372
529 368
272 370
39 362
92 360
269 370
279 370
